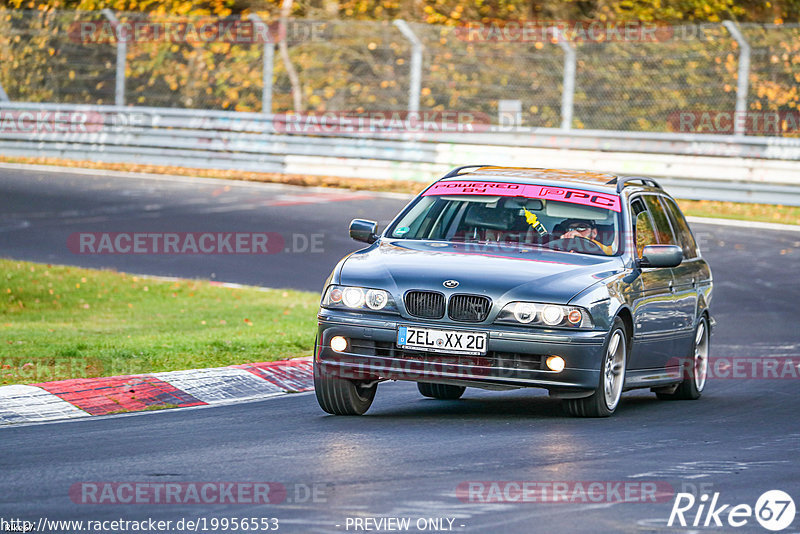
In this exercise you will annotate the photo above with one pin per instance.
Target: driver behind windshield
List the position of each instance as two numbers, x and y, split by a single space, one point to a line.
585 229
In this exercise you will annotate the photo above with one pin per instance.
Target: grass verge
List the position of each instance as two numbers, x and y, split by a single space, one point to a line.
698 208
65 322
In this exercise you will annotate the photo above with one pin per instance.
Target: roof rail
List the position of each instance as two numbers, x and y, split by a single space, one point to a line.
622 180
457 170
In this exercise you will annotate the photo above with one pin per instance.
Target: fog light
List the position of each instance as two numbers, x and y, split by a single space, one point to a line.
554 363
338 343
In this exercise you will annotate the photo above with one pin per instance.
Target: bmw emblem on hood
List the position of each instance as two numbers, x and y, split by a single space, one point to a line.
450 284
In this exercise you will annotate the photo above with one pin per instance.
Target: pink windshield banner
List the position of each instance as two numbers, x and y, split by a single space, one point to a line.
574 196
476 188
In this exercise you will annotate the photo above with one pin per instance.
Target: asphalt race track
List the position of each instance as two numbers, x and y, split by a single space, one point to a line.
40 210
409 454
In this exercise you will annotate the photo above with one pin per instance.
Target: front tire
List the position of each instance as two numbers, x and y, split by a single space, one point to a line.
696 368
605 399
340 396
440 391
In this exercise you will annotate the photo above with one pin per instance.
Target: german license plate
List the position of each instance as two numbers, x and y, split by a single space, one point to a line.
433 340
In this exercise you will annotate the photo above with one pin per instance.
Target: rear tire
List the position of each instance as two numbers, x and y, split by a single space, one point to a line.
696 369
440 391
605 399
340 396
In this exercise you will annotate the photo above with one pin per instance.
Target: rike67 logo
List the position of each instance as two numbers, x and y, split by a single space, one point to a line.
774 510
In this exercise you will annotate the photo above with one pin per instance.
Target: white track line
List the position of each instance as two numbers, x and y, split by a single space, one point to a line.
194 180
248 183
745 224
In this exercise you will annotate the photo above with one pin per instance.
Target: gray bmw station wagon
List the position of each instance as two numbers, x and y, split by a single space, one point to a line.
582 283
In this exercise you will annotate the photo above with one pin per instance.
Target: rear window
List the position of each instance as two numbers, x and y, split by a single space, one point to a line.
685 235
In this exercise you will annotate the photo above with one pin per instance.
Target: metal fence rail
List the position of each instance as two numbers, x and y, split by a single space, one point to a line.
746 169
555 80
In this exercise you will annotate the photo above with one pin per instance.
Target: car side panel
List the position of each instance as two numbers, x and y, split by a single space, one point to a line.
687 276
653 310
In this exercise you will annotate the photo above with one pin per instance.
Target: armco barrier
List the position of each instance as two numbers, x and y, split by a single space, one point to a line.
695 166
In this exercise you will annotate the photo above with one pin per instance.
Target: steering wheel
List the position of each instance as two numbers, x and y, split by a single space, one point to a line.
576 244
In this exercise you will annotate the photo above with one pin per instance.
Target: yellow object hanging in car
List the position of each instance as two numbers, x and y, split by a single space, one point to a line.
533 220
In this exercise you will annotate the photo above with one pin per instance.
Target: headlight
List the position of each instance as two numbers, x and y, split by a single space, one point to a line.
353 297
552 315
358 298
376 299
538 314
524 312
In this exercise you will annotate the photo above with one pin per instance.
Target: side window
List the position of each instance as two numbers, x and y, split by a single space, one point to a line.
687 242
645 232
663 229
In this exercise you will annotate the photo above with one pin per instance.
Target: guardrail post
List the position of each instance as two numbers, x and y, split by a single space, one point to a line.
415 85
743 75
122 54
3 95
568 90
268 67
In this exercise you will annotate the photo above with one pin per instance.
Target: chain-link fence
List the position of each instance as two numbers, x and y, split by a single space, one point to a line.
632 83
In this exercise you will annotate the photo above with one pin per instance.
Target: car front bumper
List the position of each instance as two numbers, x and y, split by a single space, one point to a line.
515 355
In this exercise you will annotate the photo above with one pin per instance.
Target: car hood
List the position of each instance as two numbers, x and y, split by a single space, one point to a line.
504 273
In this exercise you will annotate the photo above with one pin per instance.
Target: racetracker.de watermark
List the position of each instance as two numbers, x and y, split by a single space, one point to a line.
208 243
386 121
743 367
203 493
231 31
465 366
30 370
726 122
578 31
71 122
564 491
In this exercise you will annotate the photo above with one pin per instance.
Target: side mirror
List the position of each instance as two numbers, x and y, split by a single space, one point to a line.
366 231
661 256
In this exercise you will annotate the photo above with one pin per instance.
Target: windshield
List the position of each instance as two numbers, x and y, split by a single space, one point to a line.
516 214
